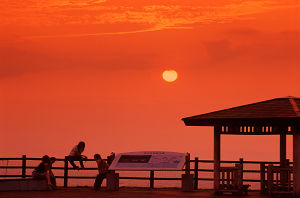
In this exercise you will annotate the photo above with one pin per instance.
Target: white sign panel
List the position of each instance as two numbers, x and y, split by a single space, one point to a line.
148 160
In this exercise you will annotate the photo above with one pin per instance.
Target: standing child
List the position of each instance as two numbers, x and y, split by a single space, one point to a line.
102 170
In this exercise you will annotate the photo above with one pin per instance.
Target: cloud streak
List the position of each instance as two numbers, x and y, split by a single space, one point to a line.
155 16
86 23
103 33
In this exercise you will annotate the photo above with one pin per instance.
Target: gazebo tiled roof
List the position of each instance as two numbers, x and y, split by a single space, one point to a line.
278 108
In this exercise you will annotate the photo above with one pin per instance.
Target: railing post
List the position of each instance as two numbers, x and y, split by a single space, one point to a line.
151 179
66 172
23 166
196 174
270 178
242 167
262 177
187 164
284 173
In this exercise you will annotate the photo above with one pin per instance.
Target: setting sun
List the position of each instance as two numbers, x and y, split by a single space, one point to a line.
169 75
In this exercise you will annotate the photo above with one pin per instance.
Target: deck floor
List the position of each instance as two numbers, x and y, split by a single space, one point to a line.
122 193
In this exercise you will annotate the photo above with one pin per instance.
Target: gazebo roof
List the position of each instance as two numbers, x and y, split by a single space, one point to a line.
270 110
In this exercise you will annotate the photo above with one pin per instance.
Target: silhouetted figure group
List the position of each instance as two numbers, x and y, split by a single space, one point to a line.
43 170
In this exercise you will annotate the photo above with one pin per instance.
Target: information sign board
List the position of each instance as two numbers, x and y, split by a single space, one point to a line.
148 160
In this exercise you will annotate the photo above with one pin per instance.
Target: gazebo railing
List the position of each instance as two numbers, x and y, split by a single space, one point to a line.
280 179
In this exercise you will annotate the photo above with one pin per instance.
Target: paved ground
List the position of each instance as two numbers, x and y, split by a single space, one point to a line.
122 193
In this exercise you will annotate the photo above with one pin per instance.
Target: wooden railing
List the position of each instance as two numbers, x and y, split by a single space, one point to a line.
229 177
194 170
280 179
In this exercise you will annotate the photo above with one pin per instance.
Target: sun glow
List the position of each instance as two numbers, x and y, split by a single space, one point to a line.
169 75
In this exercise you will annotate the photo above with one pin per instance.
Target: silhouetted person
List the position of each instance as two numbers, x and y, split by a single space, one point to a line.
110 158
75 154
102 170
43 172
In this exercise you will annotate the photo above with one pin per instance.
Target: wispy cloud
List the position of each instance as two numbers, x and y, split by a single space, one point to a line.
104 33
155 16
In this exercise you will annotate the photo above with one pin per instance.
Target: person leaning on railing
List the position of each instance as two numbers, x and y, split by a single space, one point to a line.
102 170
43 171
76 154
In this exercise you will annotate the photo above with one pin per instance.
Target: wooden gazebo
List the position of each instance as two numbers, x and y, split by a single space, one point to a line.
279 116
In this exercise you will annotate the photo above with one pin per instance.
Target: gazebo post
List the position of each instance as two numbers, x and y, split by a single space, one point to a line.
296 163
283 174
217 155
282 149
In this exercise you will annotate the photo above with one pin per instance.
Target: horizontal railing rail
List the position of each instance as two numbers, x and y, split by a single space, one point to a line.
151 177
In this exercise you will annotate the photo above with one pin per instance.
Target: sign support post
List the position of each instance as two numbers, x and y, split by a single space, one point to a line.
187 179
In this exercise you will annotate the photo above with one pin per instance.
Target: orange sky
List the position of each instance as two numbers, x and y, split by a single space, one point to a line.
91 70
